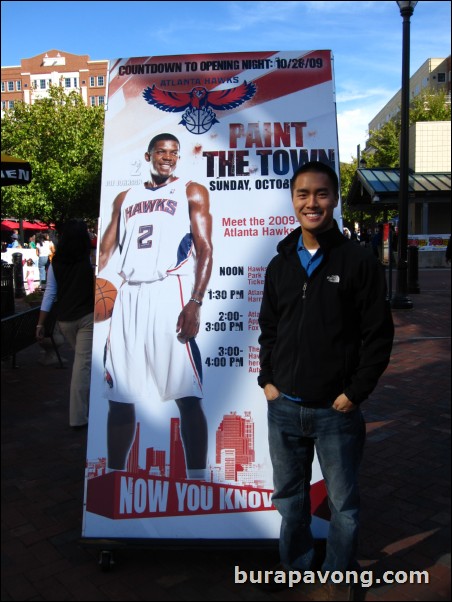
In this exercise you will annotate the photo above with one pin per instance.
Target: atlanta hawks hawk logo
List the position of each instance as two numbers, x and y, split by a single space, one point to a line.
199 103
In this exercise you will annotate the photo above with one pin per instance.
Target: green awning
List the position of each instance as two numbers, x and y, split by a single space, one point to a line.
372 186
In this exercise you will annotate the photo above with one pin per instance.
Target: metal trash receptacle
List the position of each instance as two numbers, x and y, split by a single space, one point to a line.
7 290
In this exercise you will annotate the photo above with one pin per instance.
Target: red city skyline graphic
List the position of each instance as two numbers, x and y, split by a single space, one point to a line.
234 454
235 483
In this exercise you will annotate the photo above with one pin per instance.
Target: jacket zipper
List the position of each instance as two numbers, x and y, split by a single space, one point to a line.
300 326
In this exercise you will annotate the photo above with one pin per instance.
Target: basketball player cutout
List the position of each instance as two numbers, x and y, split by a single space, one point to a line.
163 230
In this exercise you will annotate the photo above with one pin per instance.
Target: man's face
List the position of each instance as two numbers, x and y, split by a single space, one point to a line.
314 201
163 158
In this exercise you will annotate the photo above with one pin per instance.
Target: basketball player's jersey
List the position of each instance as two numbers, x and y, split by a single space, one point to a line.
154 233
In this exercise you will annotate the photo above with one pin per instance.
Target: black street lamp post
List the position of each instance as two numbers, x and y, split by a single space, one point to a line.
401 300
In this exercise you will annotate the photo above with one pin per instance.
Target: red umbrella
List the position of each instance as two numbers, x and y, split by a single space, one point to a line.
8 224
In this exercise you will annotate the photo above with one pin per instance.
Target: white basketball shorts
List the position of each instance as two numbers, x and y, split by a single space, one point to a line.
143 352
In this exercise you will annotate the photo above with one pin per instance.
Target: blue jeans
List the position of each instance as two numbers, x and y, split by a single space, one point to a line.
338 438
42 262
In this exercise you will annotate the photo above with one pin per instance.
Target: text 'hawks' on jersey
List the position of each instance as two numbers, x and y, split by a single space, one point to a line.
154 234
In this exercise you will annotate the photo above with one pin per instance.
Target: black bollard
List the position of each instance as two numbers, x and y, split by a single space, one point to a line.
413 269
18 271
7 290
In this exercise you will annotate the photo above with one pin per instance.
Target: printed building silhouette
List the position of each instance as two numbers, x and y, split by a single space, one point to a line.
177 457
235 439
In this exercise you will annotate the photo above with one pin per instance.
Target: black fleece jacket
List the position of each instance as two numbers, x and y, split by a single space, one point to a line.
330 333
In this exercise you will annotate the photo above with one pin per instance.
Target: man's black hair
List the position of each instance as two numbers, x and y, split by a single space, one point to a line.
159 137
317 167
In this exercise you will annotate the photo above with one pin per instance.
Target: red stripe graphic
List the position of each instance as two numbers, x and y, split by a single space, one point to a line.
274 84
121 495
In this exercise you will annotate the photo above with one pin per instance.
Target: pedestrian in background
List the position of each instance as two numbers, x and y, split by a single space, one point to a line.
44 250
14 241
70 281
30 275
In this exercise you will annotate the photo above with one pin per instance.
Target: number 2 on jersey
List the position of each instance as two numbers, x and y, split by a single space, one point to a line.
144 241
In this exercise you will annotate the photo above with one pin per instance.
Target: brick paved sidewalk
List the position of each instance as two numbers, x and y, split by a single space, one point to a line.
405 486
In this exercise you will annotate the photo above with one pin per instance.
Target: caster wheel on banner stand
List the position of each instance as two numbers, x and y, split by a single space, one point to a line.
106 560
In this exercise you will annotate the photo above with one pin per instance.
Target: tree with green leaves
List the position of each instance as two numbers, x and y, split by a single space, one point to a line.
351 215
430 105
348 171
385 146
62 139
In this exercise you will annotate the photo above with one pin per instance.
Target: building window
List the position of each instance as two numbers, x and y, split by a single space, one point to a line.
441 78
10 86
10 104
75 82
42 84
18 85
92 81
100 80
92 101
3 87
101 100
3 105
67 82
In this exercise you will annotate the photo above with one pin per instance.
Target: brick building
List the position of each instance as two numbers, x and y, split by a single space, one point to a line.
32 79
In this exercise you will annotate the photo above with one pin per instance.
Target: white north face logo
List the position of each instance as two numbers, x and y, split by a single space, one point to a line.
333 278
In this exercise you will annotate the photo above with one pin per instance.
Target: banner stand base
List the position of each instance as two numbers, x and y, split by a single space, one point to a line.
107 546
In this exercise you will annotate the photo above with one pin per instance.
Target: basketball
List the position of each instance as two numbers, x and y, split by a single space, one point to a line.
105 299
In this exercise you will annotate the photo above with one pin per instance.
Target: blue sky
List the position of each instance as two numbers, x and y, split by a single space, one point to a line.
365 37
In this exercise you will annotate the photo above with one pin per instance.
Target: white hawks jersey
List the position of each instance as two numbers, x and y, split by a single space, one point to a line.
154 233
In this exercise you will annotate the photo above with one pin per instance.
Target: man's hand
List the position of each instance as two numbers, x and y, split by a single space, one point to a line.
271 392
343 404
40 332
188 322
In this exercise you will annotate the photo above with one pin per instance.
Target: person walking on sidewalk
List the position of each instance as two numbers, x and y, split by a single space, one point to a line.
71 278
326 338
44 249
30 275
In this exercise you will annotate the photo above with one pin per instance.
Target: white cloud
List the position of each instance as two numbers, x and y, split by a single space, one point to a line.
352 128
352 92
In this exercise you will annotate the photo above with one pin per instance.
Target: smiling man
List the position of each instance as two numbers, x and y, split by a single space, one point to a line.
326 338
163 233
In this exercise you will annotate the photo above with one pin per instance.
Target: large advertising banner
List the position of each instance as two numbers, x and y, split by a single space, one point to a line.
198 155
